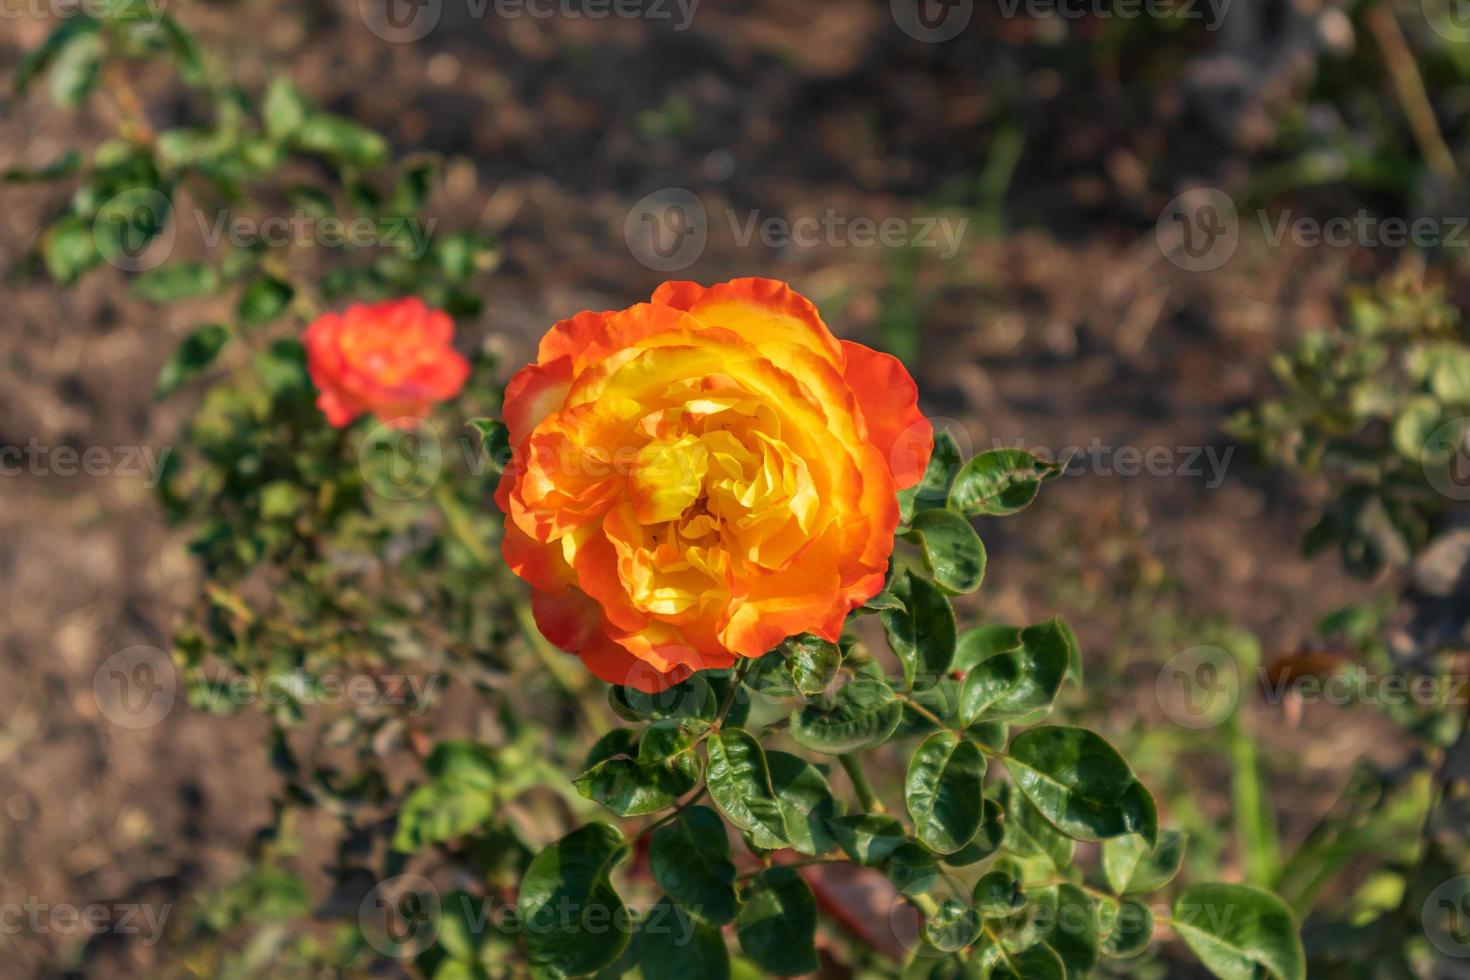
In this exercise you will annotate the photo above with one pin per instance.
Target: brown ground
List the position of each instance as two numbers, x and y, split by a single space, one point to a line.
1053 338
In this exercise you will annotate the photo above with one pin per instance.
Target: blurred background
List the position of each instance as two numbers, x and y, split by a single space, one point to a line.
1086 228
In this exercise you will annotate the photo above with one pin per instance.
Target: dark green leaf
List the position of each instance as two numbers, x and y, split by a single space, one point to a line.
665 768
984 642
263 301
778 922
922 635
1028 833
1039 962
340 140
933 489
185 50
496 438
1133 866
986 841
998 893
1016 683
952 927
691 698
1081 784
178 280
1130 929
672 944
565 889
739 782
36 62
912 869
194 354
952 549
441 811
944 792
690 859
806 802
1240 932
868 838
75 70
863 712
999 482
63 166
812 663
1075 934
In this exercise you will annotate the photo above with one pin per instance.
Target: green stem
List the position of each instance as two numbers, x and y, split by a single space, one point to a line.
854 767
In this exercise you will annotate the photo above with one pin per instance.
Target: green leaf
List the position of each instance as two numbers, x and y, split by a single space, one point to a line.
263 301
672 944
999 482
952 549
69 249
1132 865
778 922
812 663
691 698
194 354
456 760
340 140
496 439
284 109
185 50
36 62
75 70
806 802
944 792
1415 425
459 930
983 642
952 927
1039 962
933 489
868 838
1075 934
690 859
1015 683
63 166
998 893
863 712
440 811
1131 929
912 869
922 635
987 840
1081 784
665 768
1027 832
565 889
176 281
1240 932
739 782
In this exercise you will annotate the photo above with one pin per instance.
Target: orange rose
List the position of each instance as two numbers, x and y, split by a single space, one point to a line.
699 477
393 359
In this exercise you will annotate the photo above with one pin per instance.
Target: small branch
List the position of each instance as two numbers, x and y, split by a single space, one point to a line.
1410 86
854 768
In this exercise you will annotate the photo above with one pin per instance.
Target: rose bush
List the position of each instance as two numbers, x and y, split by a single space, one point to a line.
700 476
